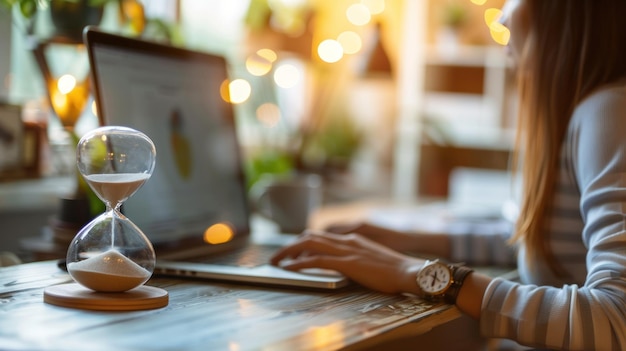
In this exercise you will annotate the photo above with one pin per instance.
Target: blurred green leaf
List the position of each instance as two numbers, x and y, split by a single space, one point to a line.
268 162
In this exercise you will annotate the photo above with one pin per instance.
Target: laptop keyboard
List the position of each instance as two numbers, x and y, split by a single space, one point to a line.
248 256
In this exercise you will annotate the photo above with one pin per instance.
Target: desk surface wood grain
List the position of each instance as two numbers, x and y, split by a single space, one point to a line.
205 315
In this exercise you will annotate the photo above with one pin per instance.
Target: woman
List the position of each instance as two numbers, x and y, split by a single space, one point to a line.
571 231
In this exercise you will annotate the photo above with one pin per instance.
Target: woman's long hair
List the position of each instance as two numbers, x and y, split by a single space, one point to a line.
573 47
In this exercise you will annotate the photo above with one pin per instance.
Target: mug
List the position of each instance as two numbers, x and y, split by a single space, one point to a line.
288 200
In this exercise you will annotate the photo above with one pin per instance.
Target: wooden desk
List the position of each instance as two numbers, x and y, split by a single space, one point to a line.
208 316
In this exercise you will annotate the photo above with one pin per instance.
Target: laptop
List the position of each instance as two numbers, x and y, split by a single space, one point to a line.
194 208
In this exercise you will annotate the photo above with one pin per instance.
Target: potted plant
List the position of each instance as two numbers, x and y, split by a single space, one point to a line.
27 8
69 17
454 16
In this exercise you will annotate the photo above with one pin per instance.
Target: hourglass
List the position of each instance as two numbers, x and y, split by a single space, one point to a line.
111 258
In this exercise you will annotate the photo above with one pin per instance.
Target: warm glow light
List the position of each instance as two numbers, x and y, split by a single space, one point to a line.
66 83
267 54
68 99
492 15
479 2
268 114
233 346
287 76
257 65
358 14
350 42
94 108
218 234
59 101
225 90
499 33
375 7
239 90
135 12
330 51
323 336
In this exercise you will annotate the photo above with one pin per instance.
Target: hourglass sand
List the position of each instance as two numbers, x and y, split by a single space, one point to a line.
110 258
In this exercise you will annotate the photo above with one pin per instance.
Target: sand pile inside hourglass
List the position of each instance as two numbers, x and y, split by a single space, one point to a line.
109 271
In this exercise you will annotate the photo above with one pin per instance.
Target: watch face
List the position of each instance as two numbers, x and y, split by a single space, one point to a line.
434 279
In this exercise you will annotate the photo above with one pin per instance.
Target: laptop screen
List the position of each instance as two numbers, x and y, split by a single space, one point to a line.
173 96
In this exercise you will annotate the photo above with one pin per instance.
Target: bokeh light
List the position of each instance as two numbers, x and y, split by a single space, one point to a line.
268 54
479 2
268 114
94 108
358 14
499 33
225 90
287 75
330 51
218 234
66 83
258 65
68 98
375 7
492 15
350 42
239 90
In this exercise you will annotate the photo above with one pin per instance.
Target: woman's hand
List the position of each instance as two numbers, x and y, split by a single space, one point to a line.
358 258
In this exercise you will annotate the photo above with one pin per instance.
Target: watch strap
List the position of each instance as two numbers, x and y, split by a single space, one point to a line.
459 273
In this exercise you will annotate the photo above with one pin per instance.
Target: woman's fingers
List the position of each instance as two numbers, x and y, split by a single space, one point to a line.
360 259
313 243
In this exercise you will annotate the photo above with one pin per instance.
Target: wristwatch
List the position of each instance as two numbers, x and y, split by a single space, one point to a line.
439 281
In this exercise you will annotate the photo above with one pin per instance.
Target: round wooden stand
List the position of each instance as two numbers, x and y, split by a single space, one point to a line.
74 295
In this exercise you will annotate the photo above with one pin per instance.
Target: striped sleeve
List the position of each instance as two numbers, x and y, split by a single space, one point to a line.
546 317
483 244
590 315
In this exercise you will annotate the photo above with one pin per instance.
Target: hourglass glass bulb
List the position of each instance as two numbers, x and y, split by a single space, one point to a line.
97 262
111 253
114 189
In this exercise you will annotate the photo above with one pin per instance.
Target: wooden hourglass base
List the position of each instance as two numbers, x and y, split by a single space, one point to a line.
74 295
